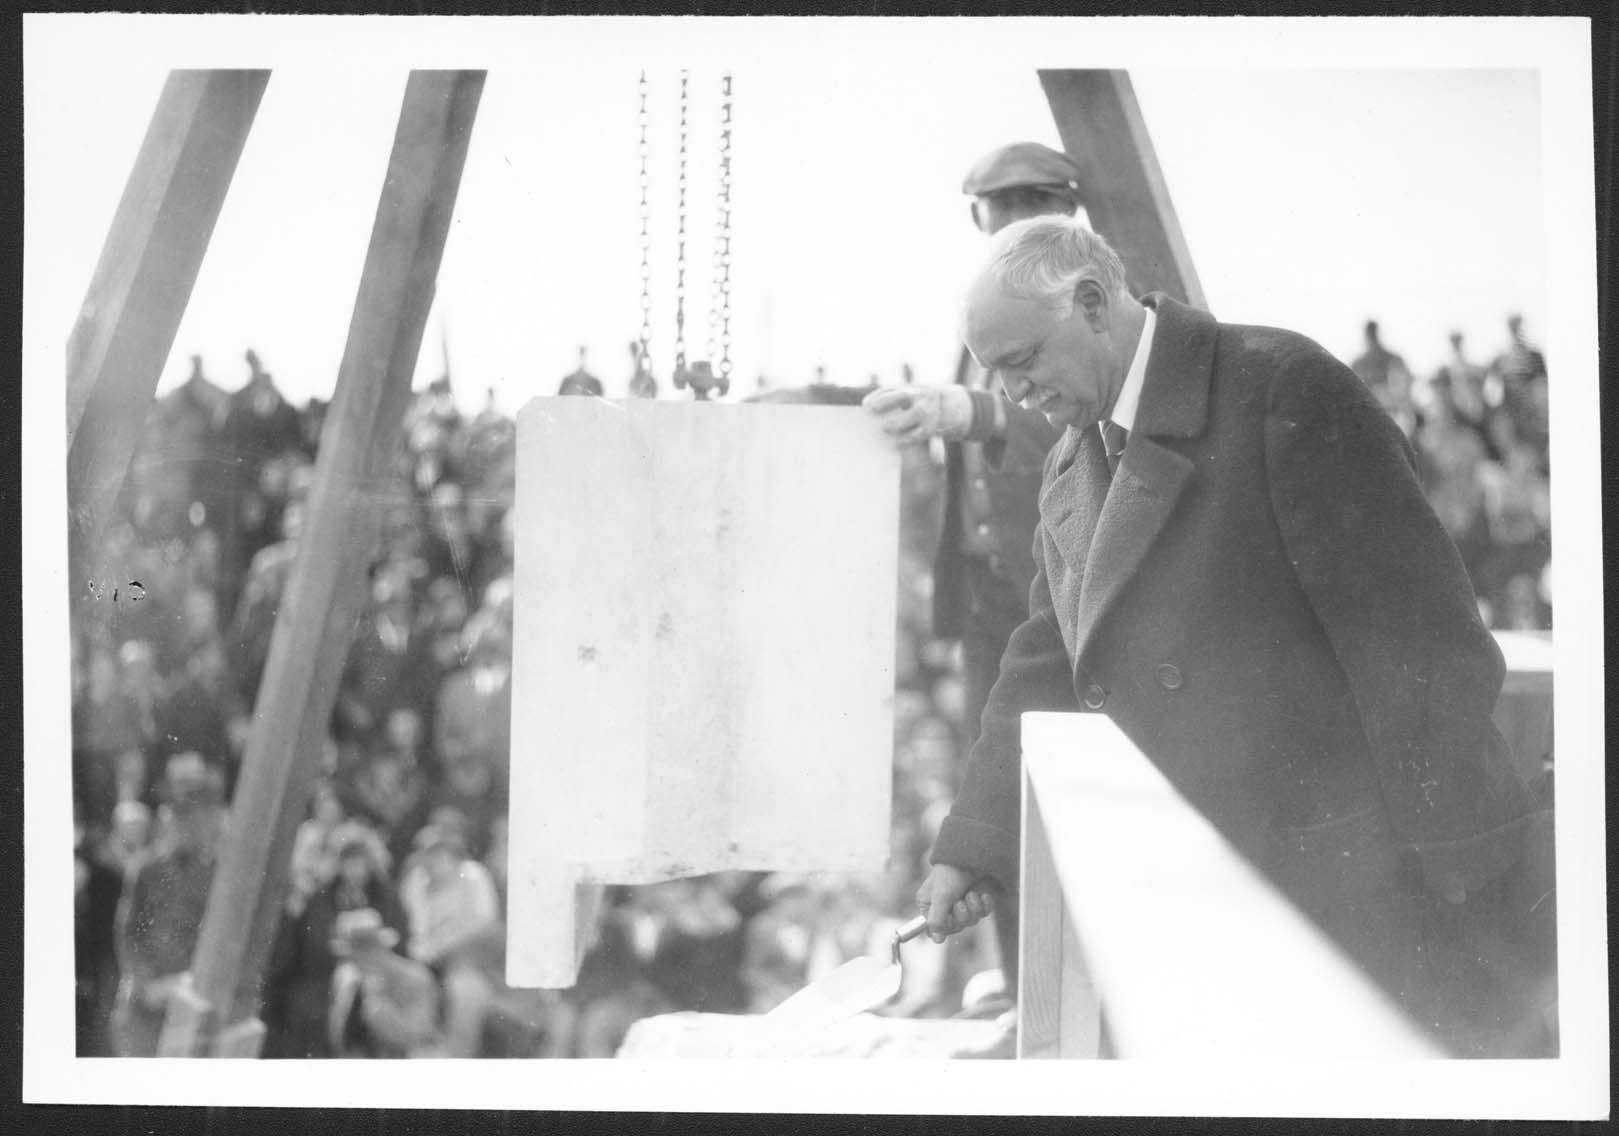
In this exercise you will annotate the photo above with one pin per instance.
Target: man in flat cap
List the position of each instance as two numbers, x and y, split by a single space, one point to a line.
993 454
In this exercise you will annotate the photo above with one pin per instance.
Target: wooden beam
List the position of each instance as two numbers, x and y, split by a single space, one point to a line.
1100 123
148 266
325 592
1189 947
1059 1008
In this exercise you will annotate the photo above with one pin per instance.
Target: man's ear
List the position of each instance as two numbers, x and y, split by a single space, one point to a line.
1091 300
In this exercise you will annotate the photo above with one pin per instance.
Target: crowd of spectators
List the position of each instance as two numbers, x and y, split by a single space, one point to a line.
391 943
1480 432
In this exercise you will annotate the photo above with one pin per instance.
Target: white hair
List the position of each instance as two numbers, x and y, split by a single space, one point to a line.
1046 258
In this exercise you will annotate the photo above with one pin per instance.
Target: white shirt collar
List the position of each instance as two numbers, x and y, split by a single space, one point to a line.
1124 407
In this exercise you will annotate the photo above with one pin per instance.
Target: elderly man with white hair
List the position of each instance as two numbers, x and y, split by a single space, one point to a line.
1238 566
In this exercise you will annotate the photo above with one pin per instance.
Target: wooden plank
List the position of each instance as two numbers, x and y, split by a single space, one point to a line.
1143 874
326 589
1079 1034
1123 188
148 266
1059 1013
1040 926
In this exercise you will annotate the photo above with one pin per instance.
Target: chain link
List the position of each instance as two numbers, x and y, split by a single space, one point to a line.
680 241
722 245
643 360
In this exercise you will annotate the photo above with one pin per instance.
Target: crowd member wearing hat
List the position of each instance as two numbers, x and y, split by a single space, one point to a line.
162 908
994 451
383 1003
299 983
472 723
453 909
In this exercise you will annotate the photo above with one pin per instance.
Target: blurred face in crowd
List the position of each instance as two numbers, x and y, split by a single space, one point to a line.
131 825
201 613
252 510
328 809
446 511
386 774
354 867
103 676
207 665
469 778
404 729
1069 366
138 665
391 593
442 864
449 608
498 599
273 479
306 873
292 520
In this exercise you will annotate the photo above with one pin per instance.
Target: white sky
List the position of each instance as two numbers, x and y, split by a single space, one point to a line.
1310 199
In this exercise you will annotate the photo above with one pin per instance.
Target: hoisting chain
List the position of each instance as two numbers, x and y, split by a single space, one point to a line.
643 362
719 312
680 243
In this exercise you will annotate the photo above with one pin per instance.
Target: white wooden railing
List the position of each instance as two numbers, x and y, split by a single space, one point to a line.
1134 905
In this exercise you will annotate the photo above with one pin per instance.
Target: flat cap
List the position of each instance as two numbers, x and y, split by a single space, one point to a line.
1022 164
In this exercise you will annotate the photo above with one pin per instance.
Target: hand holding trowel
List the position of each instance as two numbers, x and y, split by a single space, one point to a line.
858 985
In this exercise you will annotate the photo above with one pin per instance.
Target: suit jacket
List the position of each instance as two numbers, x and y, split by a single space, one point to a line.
1264 602
1012 470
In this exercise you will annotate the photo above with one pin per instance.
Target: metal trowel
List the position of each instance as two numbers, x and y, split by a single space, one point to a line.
858 985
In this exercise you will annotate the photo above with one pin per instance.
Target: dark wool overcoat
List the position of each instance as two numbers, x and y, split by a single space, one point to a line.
1265 604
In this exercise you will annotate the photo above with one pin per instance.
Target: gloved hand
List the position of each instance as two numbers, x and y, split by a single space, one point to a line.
914 413
952 900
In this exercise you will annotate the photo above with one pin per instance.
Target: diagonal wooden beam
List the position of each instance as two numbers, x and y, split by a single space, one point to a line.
325 592
1100 123
116 351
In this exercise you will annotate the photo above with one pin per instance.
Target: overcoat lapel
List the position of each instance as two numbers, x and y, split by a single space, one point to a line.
1107 529
1136 508
1071 502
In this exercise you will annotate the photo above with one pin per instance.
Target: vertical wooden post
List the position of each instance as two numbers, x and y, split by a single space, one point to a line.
148 265
1059 1007
325 591
1100 123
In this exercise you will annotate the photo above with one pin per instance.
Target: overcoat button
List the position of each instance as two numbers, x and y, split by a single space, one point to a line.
1169 676
1094 697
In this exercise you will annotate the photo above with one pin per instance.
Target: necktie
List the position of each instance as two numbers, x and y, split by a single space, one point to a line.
1113 439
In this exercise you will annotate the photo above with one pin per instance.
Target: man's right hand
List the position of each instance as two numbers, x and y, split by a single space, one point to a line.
951 901
913 413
